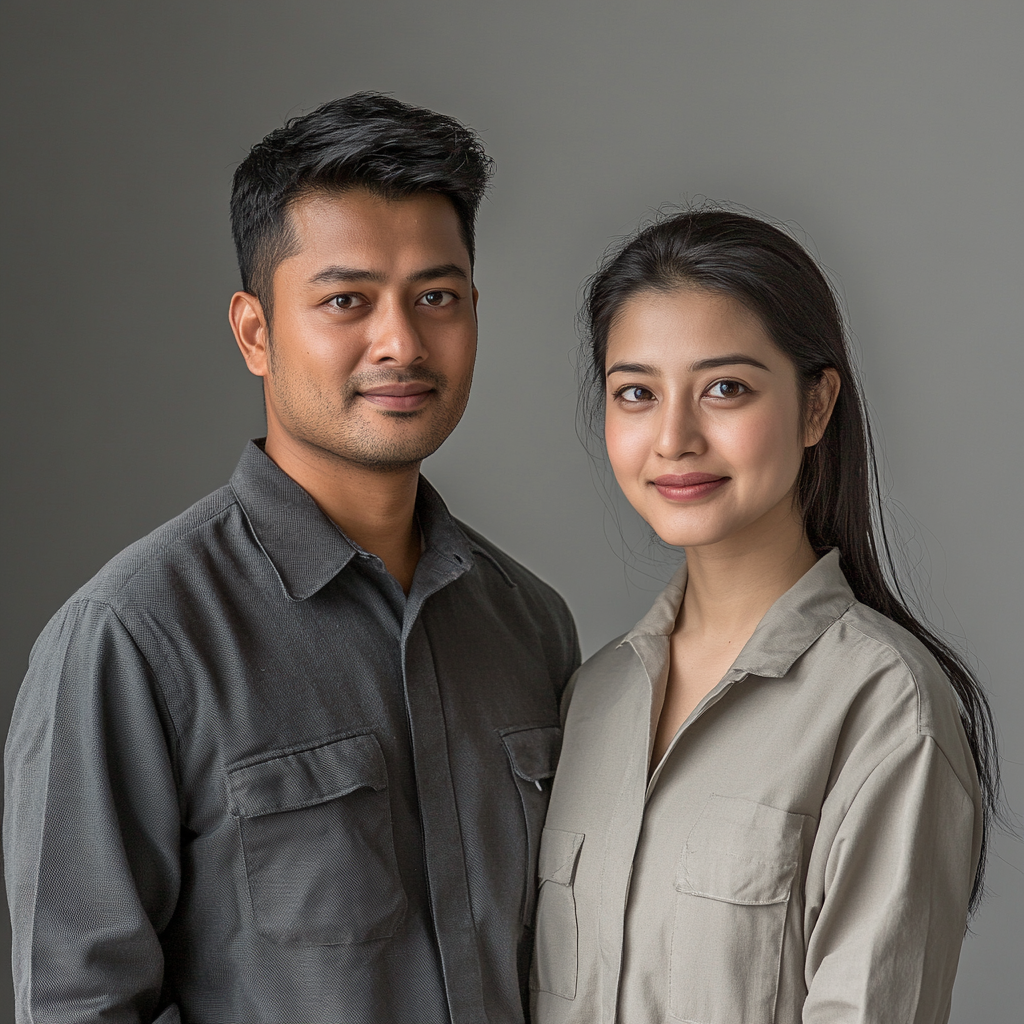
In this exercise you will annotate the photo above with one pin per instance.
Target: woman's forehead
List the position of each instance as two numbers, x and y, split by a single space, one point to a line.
687 325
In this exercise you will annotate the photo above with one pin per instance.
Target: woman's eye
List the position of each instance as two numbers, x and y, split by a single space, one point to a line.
347 301
438 299
633 393
727 389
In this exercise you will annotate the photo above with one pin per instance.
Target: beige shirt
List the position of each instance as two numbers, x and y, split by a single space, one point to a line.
803 852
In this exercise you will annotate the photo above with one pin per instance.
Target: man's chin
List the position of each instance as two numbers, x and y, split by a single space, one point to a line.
388 455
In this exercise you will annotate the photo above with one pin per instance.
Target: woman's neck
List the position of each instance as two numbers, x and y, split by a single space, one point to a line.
731 585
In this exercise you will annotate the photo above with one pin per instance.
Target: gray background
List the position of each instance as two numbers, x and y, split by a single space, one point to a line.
889 136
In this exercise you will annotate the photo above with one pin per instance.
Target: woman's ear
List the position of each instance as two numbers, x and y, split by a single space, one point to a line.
822 402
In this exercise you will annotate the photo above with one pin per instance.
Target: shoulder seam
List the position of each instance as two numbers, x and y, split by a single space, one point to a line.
477 549
921 730
164 547
878 764
953 771
99 602
929 740
903 661
494 554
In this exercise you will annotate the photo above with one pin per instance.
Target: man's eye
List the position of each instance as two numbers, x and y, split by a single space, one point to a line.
633 393
727 389
438 298
346 301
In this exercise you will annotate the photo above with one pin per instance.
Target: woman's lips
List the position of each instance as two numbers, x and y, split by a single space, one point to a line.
688 486
398 397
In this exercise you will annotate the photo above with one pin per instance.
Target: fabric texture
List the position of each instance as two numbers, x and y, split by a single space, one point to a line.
804 851
248 779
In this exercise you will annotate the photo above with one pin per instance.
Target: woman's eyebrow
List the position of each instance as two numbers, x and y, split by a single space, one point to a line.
735 359
643 368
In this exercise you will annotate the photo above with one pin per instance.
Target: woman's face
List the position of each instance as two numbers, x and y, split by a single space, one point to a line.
703 420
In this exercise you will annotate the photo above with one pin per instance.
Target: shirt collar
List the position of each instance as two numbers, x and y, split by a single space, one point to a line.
788 628
305 547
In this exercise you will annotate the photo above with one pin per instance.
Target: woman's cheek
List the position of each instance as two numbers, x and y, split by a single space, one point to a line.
629 449
769 447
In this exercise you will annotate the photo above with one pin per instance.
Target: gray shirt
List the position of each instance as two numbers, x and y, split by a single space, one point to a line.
248 779
804 851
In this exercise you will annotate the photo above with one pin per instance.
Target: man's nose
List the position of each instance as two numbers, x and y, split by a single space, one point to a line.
394 338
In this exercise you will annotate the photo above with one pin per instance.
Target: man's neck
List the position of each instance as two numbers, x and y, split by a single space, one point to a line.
373 508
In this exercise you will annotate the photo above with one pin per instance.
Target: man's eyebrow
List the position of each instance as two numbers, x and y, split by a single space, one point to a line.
442 270
735 359
334 274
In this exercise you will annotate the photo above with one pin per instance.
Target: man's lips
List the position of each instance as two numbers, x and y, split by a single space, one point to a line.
688 486
398 397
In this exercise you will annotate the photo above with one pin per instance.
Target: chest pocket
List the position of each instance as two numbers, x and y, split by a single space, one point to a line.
733 885
319 850
533 756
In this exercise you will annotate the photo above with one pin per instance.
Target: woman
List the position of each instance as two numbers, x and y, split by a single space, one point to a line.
774 792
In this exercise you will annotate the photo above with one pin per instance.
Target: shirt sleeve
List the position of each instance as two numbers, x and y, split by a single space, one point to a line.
897 873
91 827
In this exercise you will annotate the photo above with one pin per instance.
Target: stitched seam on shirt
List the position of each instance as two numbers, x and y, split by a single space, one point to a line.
755 669
157 688
853 799
870 775
735 903
178 538
42 824
917 691
256 540
949 765
164 703
477 544
825 628
917 686
298 748
496 564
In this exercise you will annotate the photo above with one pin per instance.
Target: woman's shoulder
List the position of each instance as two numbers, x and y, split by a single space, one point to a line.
617 661
604 673
893 660
865 634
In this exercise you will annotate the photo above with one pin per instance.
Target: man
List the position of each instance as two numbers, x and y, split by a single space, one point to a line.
287 758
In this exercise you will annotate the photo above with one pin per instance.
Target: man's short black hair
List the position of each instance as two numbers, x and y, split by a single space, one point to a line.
366 140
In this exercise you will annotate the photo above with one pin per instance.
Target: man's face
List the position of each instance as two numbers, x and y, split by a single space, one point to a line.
370 351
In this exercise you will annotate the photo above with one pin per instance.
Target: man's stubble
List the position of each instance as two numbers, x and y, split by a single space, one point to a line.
332 423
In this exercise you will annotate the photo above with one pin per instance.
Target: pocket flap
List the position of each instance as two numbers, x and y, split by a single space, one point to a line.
559 852
740 851
533 752
303 778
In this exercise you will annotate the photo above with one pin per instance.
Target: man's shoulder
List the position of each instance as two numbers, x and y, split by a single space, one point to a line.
525 602
177 549
514 573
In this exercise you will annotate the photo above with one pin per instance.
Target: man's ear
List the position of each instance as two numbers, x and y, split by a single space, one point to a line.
822 402
249 325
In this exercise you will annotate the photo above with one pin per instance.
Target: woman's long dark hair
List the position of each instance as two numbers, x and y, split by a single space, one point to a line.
775 278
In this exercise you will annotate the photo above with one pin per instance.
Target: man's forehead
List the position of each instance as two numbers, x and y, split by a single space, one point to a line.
358 229
357 211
